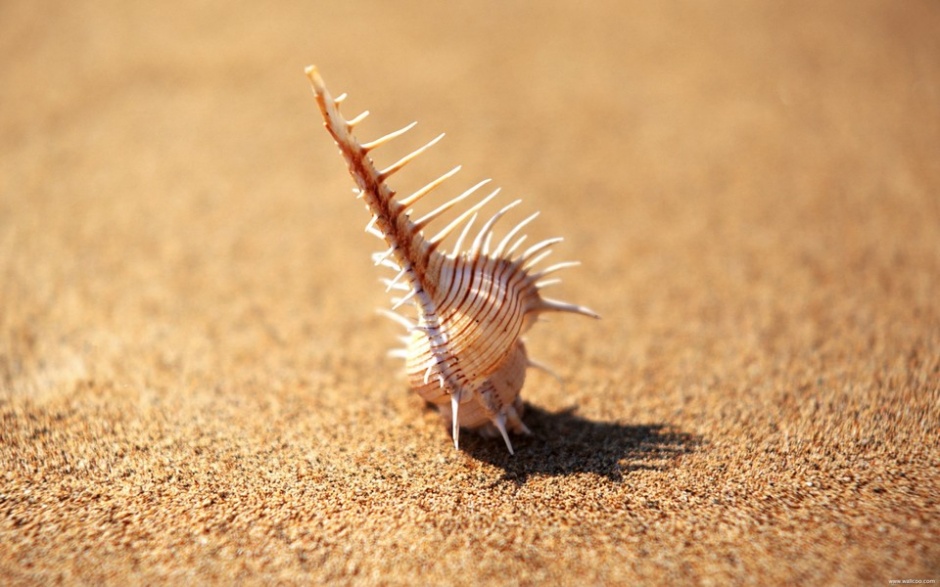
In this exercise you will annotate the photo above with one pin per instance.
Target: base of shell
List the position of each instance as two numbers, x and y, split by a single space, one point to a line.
511 420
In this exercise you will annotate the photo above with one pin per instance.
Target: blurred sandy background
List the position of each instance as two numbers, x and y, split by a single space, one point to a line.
193 381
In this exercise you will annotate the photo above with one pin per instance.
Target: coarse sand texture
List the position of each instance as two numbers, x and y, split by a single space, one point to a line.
194 380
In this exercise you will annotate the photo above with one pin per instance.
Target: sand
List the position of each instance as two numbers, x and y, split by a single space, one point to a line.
194 387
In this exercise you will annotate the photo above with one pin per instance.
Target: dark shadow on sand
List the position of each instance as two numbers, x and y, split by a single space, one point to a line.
564 443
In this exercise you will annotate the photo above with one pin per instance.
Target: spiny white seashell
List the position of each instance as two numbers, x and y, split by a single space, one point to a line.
464 351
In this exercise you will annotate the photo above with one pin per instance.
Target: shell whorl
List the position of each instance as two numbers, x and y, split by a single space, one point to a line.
464 352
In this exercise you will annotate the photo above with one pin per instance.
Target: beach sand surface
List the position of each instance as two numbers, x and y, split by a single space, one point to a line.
194 385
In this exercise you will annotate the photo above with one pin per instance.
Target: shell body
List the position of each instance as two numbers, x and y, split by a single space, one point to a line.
464 351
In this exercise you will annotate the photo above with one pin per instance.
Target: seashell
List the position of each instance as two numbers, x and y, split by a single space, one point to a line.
463 352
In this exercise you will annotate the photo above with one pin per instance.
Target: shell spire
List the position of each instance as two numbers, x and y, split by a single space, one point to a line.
463 350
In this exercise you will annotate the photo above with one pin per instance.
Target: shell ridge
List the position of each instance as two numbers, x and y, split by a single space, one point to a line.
394 227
